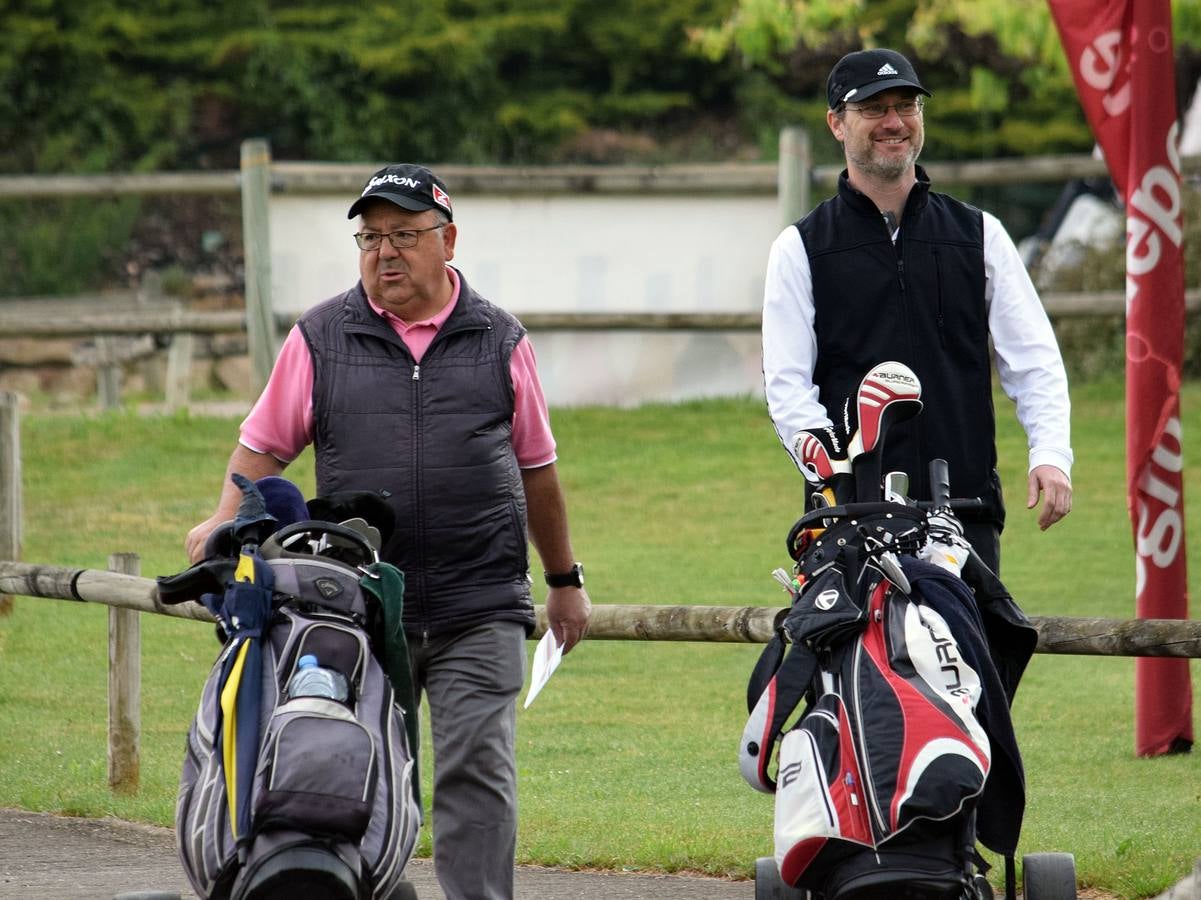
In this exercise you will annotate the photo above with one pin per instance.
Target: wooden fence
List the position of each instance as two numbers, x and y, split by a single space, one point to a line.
793 179
126 594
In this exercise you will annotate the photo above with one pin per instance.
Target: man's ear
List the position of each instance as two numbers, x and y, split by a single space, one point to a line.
835 123
449 233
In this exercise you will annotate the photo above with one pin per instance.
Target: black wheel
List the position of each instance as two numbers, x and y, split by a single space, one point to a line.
770 886
982 888
1049 876
403 891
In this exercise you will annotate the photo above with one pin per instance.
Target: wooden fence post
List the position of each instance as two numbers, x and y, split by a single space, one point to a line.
179 370
108 373
124 686
10 485
796 172
256 239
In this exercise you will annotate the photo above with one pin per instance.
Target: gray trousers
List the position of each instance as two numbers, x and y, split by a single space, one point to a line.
471 680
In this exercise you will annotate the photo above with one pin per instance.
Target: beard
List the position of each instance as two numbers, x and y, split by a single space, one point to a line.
884 167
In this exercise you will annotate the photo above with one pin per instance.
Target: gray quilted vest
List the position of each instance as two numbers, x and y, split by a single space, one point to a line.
435 440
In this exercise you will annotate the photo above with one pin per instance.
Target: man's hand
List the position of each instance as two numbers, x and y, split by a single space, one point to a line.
567 612
194 542
1056 488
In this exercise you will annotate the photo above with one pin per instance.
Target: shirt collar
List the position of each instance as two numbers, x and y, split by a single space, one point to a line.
436 321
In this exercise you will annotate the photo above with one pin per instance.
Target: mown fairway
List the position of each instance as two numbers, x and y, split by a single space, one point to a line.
627 759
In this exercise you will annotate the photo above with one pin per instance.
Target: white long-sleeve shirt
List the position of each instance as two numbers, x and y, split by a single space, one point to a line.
1027 355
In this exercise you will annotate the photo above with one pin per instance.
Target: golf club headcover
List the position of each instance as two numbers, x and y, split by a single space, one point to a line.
822 453
283 499
889 393
367 505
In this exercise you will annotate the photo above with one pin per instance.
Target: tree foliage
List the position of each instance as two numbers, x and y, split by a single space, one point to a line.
150 84
120 85
997 70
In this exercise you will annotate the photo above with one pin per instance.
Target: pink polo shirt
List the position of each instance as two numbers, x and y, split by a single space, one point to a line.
281 422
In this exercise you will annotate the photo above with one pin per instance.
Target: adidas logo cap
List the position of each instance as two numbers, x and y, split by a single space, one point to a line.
865 73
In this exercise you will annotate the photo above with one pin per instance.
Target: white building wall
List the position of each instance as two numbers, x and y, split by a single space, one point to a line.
560 253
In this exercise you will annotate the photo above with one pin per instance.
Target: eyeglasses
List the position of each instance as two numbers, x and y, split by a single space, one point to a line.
906 108
400 240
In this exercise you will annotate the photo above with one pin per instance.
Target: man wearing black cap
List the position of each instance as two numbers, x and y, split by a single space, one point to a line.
889 270
412 385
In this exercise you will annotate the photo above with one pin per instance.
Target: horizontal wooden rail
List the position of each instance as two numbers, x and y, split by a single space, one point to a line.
100 185
714 178
710 624
148 321
29 323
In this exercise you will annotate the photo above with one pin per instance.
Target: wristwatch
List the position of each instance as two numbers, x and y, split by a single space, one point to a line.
574 578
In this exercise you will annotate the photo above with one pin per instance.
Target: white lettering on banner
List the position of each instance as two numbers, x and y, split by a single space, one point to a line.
1159 539
1099 69
1158 198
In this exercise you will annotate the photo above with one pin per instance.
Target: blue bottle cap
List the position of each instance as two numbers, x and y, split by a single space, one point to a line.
308 661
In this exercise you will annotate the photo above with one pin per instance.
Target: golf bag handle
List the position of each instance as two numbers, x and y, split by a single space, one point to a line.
280 537
940 484
842 511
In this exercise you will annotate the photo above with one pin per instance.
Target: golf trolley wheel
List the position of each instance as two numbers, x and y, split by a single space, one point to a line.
1049 876
770 886
403 891
982 887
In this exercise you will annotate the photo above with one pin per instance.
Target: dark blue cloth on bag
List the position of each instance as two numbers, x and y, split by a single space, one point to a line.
1003 802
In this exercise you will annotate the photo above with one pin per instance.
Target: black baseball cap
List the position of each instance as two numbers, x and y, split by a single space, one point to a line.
865 73
410 187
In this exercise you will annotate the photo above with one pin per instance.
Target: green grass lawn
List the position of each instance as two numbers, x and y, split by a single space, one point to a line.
628 758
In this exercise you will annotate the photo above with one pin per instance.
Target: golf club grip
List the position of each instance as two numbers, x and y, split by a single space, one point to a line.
940 483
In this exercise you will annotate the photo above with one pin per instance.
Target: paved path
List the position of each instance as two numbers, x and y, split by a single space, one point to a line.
44 857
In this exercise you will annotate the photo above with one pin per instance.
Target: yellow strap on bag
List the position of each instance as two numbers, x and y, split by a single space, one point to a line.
229 732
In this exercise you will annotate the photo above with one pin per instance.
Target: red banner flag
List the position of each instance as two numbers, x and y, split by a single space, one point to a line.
1121 56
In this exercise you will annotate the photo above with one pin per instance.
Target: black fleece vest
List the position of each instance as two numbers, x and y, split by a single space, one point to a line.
435 440
919 302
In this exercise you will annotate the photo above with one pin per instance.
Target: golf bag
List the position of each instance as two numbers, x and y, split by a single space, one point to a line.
903 753
298 796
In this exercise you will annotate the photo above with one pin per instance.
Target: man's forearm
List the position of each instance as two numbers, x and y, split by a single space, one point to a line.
547 514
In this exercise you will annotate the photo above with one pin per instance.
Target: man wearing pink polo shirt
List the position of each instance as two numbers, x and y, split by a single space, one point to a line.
414 386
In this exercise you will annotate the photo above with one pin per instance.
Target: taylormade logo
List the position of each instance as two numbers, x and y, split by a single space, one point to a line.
835 444
376 181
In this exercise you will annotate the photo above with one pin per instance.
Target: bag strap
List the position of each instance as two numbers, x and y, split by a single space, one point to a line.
781 682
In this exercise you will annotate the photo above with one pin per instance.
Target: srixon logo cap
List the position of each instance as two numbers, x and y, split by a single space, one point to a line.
865 73
410 187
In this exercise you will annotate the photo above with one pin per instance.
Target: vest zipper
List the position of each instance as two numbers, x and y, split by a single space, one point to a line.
418 503
938 321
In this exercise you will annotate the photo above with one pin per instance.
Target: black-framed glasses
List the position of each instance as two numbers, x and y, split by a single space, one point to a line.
905 108
400 240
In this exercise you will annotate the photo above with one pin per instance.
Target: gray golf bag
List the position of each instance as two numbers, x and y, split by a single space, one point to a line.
299 796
